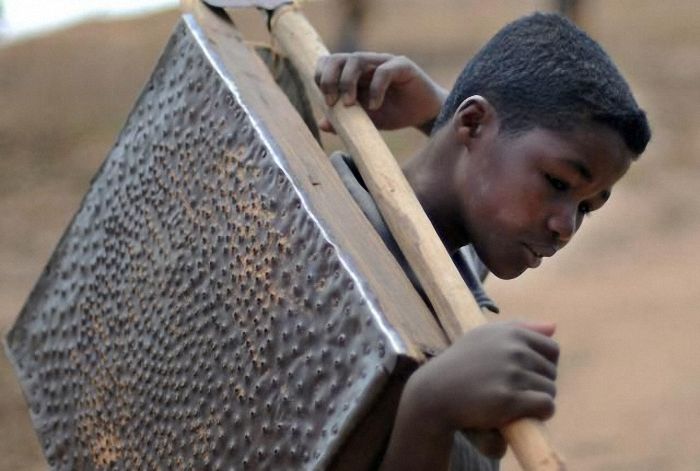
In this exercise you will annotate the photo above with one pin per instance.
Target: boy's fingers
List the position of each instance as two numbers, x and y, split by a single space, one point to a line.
349 78
396 71
330 75
544 328
318 72
538 336
529 381
545 346
340 75
380 84
539 364
534 404
325 125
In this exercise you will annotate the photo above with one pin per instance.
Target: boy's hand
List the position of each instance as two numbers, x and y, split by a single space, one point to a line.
393 90
494 374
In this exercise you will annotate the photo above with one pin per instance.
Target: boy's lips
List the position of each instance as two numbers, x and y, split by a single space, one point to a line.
537 252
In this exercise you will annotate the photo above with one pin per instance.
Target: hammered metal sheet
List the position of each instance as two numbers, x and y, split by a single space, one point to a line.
194 315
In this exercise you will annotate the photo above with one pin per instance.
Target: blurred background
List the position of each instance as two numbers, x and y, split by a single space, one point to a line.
622 293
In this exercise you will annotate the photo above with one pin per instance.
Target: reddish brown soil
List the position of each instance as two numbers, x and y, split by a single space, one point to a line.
622 294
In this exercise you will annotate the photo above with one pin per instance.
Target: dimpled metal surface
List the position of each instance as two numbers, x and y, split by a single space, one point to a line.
194 315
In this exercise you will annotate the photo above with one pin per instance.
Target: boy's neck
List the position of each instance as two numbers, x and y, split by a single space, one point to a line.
430 173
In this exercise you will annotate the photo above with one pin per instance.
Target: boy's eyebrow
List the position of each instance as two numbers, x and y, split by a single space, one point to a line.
580 168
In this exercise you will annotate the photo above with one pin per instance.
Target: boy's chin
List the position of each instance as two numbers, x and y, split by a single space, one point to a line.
503 264
508 275
506 272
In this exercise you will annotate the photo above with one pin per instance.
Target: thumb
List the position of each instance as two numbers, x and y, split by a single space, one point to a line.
544 328
325 125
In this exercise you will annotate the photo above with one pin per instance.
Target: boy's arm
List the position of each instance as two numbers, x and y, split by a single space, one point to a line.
493 375
393 90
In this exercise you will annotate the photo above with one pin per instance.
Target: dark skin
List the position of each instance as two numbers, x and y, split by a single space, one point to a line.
517 198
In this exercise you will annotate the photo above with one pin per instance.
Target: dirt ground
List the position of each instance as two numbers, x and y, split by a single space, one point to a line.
622 294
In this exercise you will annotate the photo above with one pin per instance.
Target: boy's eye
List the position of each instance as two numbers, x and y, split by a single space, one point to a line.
556 183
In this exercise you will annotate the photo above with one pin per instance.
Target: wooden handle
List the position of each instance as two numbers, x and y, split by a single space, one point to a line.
453 302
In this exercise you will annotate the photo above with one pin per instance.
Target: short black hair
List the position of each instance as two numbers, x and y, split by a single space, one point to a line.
541 70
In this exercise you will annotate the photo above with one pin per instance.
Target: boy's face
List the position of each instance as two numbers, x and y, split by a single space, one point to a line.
523 197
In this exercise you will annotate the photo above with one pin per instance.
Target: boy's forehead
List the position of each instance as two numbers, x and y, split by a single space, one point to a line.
603 147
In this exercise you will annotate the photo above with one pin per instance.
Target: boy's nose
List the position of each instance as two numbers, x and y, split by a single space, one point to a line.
563 224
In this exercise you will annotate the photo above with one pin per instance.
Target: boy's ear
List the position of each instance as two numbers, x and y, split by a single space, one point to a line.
474 116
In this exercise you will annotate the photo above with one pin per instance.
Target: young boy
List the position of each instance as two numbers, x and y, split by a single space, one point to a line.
538 128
